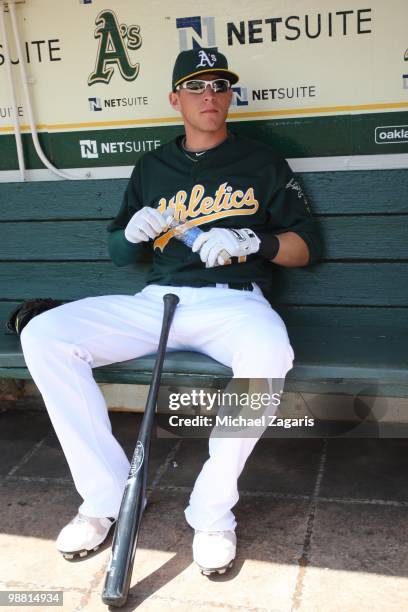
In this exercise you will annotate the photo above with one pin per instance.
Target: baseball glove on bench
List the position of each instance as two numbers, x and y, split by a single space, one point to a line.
27 310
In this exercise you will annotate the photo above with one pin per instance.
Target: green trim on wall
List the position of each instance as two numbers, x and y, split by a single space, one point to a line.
293 137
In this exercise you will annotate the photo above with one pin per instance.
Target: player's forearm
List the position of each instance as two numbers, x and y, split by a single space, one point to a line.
121 251
293 251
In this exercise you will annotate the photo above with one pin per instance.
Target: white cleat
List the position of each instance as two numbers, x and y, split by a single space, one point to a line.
84 534
214 551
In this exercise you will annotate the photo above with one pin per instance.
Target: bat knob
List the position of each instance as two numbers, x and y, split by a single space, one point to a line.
171 299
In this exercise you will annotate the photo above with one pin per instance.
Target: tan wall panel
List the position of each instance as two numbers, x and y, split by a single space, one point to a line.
339 71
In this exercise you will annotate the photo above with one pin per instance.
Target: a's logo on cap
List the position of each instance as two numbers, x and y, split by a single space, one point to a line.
206 60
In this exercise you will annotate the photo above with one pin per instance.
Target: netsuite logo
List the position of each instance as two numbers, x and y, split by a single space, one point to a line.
196 32
89 149
95 104
391 134
99 104
240 96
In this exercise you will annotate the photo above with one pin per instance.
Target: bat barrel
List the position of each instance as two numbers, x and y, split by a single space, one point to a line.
119 572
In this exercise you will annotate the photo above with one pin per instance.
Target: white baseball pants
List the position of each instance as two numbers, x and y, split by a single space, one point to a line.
61 346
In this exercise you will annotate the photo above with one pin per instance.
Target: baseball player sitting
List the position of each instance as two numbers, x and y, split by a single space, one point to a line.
248 204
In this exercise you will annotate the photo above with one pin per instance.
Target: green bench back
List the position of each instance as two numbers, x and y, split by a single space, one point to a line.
53 243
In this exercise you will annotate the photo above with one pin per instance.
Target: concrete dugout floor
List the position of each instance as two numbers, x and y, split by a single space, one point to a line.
322 524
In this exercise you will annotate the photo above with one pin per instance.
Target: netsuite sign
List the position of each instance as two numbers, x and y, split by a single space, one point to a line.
332 24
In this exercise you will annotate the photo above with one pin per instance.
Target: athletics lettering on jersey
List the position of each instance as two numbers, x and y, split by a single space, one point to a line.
199 208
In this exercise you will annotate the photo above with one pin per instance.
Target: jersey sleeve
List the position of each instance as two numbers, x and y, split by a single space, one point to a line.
289 211
121 251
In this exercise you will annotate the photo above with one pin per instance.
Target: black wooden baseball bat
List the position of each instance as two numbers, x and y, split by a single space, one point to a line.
119 571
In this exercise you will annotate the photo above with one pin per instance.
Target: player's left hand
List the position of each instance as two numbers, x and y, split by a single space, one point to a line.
237 242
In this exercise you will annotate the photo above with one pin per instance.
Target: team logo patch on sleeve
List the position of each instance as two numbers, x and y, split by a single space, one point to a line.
295 186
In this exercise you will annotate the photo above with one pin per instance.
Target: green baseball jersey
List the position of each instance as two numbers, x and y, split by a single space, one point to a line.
239 184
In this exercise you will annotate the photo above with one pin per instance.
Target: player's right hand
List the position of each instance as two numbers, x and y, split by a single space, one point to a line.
145 225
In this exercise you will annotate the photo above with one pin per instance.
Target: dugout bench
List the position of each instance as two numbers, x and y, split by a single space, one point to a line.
347 316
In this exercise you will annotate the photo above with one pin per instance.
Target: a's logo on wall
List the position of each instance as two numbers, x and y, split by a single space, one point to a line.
196 32
114 42
89 149
95 104
239 96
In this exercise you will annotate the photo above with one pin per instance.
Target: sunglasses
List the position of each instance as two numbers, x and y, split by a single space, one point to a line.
198 86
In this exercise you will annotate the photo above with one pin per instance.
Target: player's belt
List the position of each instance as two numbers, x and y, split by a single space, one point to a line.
240 286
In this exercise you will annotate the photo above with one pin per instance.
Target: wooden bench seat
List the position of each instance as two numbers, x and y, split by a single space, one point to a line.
321 354
347 316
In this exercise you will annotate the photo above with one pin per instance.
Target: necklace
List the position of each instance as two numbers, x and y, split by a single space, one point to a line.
189 154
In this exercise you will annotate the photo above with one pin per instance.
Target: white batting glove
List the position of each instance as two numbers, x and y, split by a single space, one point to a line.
145 225
237 242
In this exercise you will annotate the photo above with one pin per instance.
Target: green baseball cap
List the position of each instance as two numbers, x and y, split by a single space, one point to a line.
195 62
